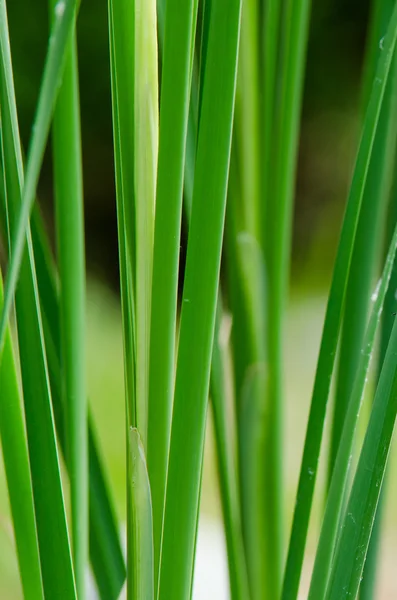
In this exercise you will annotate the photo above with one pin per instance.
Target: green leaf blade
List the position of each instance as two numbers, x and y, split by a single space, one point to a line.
336 494
145 154
16 461
71 257
227 469
174 110
365 256
199 303
65 12
105 550
332 323
141 582
57 571
361 508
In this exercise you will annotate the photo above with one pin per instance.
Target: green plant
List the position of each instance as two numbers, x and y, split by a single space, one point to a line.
221 138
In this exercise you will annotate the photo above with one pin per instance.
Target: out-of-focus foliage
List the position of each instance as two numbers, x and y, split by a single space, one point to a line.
331 100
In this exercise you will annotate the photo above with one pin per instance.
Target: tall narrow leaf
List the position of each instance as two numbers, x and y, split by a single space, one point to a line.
381 11
145 155
174 109
224 436
122 61
121 30
71 257
279 190
336 495
332 324
199 302
227 469
361 508
247 116
365 254
133 48
16 462
105 549
46 481
142 584
65 13
270 48
371 571
253 422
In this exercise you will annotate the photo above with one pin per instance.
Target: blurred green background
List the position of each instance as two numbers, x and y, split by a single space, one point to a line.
330 126
330 119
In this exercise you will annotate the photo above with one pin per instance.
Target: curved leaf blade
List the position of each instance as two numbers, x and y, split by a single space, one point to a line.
361 508
65 15
336 494
16 462
332 324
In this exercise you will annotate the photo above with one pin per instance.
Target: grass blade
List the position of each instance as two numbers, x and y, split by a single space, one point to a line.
370 573
279 210
332 324
146 151
52 529
365 255
106 555
271 45
142 586
247 296
336 494
244 223
16 462
247 304
199 302
226 470
381 11
253 419
174 107
71 258
47 277
121 59
247 116
105 550
133 48
229 491
135 56
360 512
65 14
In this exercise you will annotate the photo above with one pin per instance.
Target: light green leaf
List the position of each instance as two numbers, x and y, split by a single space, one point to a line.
326 360
338 487
69 210
141 580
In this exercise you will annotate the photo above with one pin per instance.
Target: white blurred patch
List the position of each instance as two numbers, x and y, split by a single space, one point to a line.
211 574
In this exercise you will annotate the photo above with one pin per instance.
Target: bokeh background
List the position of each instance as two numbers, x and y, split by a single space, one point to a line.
330 126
